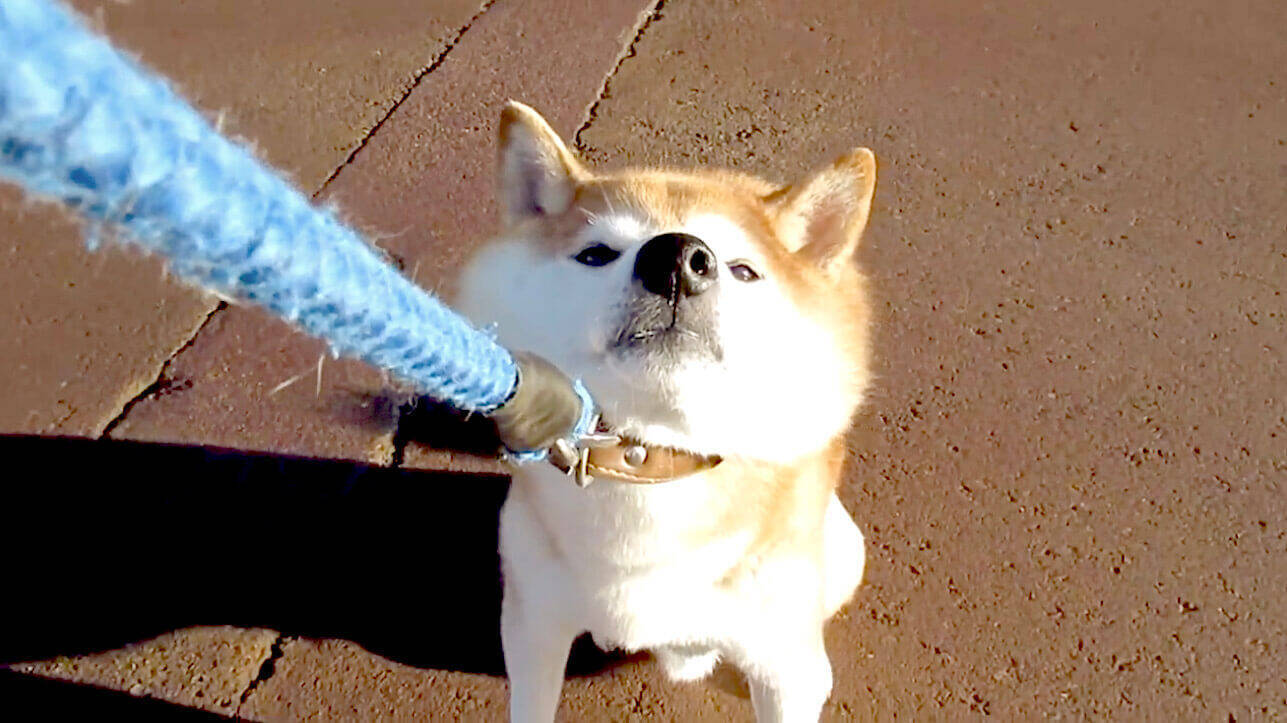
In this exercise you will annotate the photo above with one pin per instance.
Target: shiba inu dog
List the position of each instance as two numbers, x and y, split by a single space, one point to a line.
721 325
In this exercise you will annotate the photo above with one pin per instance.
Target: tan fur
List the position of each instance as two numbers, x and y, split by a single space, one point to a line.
782 505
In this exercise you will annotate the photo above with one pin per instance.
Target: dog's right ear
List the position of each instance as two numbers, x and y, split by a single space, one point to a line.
538 174
822 218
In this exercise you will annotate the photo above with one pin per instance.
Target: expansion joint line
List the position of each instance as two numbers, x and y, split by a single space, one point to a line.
161 380
644 21
415 83
266 671
158 383
401 437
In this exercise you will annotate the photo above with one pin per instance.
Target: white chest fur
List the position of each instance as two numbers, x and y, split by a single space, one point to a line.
629 562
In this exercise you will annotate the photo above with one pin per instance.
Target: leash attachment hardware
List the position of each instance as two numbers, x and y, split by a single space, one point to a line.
574 458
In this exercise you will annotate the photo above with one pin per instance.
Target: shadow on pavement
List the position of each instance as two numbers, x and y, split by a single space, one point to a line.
109 543
52 700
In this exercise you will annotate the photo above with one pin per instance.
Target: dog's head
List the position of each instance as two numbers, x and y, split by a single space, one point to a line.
707 311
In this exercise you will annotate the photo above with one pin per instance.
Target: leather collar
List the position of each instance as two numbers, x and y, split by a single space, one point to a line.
629 461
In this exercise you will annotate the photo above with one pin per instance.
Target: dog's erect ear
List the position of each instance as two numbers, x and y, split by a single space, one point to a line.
538 174
822 217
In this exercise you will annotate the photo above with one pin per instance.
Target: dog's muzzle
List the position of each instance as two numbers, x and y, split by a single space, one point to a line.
670 309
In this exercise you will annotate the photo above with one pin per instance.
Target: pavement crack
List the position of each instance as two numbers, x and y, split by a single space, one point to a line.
645 19
415 83
160 382
401 435
266 670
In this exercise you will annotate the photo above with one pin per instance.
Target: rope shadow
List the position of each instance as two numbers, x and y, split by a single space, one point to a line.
112 542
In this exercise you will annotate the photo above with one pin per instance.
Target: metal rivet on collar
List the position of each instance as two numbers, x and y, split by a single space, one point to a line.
635 455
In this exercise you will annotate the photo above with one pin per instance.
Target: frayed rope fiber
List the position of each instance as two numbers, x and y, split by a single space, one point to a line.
81 123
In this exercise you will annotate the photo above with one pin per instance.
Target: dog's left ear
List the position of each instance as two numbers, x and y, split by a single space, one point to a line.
538 174
822 218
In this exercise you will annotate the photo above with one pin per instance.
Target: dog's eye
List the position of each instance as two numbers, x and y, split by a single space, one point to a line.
597 255
743 272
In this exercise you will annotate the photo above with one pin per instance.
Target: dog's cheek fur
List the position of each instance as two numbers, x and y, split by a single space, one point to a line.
534 303
795 343
786 386
544 303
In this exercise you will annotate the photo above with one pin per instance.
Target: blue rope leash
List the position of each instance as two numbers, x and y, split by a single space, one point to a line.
81 123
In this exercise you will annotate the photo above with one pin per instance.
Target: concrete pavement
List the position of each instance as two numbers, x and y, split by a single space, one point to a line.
1070 471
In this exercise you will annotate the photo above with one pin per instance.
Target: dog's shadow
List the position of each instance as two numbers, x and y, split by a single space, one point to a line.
109 543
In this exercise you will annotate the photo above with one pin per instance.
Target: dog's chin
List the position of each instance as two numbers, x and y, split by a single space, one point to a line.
665 346
636 375
632 386
666 333
639 388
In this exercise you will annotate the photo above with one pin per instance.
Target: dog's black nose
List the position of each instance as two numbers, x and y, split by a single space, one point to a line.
676 264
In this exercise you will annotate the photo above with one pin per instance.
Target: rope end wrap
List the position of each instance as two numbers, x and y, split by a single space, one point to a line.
546 407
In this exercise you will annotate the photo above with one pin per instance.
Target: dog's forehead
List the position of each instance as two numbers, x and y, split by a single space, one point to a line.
721 208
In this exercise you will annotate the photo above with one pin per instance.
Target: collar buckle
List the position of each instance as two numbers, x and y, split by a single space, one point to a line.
573 458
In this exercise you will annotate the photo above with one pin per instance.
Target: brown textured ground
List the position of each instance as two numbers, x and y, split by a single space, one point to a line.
1070 473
